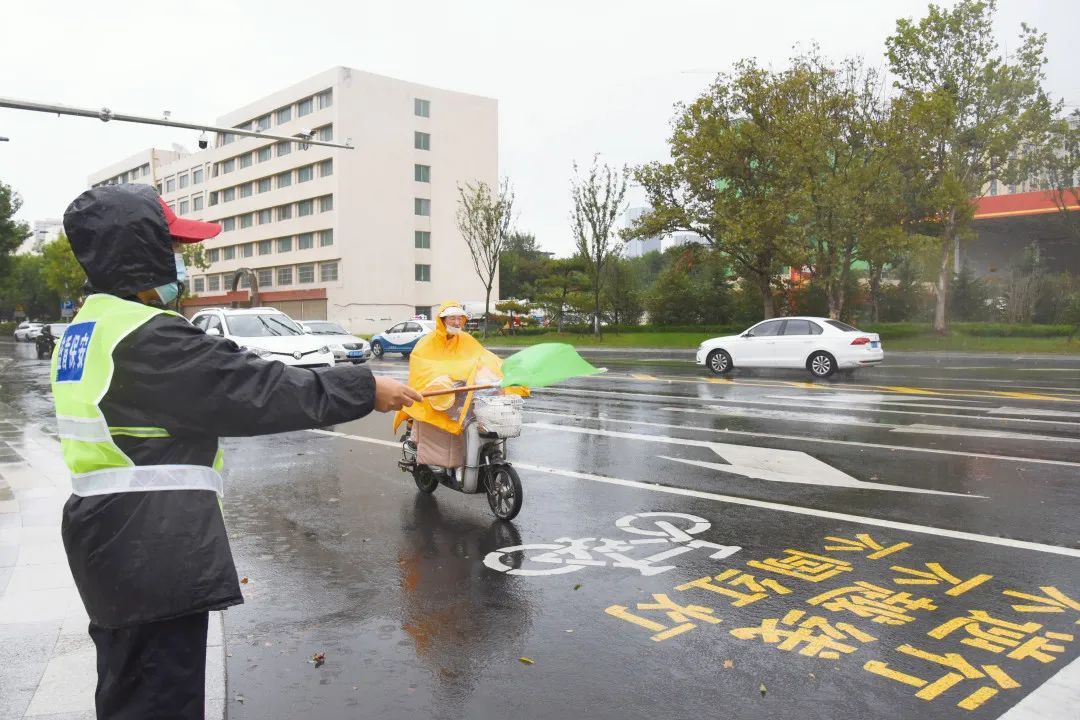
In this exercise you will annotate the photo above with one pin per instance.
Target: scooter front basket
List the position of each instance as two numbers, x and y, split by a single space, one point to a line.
499 415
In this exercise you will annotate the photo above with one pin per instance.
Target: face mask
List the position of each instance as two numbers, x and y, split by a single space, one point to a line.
181 268
451 330
168 292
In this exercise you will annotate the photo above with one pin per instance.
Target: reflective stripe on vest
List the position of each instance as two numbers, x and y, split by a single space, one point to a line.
82 371
145 478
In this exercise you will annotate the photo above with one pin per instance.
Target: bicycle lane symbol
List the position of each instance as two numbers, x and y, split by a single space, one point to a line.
673 531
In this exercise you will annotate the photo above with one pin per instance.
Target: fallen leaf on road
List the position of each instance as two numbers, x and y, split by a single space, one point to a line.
244 580
525 660
729 664
578 586
318 658
762 689
239 699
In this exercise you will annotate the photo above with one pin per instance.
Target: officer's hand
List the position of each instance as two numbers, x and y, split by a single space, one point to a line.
392 395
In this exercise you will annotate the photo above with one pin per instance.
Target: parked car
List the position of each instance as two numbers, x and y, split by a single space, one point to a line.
819 345
22 332
346 347
267 332
401 338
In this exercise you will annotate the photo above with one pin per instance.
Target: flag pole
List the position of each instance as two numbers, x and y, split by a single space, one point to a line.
466 388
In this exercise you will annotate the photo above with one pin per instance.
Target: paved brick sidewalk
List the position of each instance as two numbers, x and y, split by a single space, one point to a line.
47 668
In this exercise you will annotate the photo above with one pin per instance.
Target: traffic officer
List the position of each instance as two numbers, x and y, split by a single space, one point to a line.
141 399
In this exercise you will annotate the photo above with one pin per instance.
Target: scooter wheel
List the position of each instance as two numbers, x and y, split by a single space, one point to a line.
504 491
425 480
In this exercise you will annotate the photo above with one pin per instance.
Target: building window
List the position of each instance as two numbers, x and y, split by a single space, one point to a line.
156 187
422 140
265 216
228 253
284 244
213 198
993 187
284 115
245 190
305 241
305 208
422 173
325 99
422 239
422 311
422 108
265 184
197 203
245 161
247 220
266 276
284 276
264 153
326 203
225 138
326 133
421 206
199 285
212 255
266 247
228 224
245 281
283 148
284 212
185 207
146 171
213 282
228 195
326 238
262 123
284 179
197 176
228 166
328 272
326 168
305 174
305 107
305 273
183 181
423 273
170 185
247 250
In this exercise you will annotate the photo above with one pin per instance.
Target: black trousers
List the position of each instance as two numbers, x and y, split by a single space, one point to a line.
155 671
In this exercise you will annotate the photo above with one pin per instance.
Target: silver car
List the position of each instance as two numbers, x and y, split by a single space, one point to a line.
346 347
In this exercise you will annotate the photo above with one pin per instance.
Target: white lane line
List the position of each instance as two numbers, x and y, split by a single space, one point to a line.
1033 411
869 398
922 429
1051 699
917 428
807 439
764 505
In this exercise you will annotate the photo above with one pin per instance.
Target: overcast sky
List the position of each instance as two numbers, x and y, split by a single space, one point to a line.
572 77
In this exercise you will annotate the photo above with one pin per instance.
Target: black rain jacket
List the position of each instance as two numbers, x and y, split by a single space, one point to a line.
141 557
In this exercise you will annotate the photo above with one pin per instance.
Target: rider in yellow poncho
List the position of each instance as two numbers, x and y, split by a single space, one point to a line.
446 358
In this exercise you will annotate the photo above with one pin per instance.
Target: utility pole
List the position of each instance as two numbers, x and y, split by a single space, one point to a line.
106 115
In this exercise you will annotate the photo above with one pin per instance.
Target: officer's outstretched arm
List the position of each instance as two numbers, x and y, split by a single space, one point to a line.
193 383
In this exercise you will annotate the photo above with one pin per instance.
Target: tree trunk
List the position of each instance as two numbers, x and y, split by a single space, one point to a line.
875 291
944 273
596 309
765 284
487 309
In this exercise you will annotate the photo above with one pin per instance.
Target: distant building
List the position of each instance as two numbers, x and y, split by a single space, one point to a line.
637 248
43 231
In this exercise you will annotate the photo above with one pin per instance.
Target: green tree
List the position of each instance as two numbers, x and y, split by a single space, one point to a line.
12 232
732 178
483 218
1058 162
521 264
971 108
562 288
22 285
60 271
673 299
622 293
598 202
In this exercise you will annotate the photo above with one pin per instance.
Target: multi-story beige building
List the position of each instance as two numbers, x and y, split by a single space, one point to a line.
364 236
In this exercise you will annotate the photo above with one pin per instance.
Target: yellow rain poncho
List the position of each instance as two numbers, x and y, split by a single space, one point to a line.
442 361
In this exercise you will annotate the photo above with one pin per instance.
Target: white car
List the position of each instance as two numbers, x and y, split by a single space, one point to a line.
401 338
819 345
267 332
22 333
346 347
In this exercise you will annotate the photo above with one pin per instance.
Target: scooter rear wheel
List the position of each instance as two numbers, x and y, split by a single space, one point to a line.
425 480
504 491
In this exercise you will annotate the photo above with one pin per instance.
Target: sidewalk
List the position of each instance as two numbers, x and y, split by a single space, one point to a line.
47 664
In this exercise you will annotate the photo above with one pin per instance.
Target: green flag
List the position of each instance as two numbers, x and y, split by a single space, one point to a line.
545 364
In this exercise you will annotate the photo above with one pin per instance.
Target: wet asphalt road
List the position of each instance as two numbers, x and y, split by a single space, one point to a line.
818 547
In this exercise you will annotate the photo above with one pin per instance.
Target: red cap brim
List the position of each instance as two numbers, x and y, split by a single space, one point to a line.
183 230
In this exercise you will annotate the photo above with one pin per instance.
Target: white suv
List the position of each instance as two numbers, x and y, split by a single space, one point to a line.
267 332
